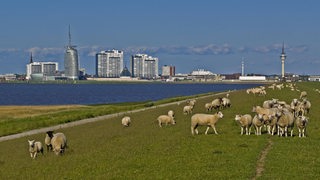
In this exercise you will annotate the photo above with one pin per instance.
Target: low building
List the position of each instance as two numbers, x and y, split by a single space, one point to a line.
314 78
252 78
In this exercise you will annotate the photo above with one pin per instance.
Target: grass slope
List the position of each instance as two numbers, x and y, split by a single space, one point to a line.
106 150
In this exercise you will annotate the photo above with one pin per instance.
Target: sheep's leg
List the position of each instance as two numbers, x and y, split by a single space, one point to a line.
303 134
192 130
214 128
31 155
207 130
286 131
249 131
241 130
34 155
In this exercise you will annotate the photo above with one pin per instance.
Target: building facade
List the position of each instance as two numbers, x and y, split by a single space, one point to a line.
144 66
42 69
71 62
109 63
168 71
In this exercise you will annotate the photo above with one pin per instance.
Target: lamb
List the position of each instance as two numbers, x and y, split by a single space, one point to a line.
187 109
285 121
303 94
59 143
245 122
126 121
205 120
258 122
166 119
34 148
301 122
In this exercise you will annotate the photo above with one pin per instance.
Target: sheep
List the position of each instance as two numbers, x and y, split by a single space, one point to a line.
205 120
245 122
269 103
306 105
166 119
208 106
126 121
301 123
191 102
226 102
216 103
303 94
285 121
187 109
34 148
267 111
258 122
59 143
47 140
271 122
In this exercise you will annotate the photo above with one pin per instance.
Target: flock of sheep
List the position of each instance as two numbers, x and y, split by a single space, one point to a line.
56 142
278 117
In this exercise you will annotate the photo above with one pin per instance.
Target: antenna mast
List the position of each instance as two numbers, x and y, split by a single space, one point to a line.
69 36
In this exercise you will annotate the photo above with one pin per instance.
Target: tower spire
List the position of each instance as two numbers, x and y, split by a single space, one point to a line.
69 36
31 60
283 47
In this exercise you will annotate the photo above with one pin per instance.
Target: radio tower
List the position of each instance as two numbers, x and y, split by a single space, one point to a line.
283 58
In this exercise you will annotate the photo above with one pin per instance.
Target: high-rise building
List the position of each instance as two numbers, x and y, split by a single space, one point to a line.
71 63
283 58
168 71
109 63
144 66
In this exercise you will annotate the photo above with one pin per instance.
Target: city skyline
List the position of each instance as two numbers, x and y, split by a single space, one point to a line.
211 35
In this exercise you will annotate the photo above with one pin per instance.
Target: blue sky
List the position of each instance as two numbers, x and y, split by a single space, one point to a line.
208 34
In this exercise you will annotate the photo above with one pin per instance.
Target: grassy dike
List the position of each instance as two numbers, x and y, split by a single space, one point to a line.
106 150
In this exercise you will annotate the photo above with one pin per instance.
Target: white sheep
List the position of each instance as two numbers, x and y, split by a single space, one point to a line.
303 94
205 120
258 122
245 122
226 102
171 113
59 143
301 123
208 106
166 119
271 122
285 121
216 103
187 109
34 148
126 121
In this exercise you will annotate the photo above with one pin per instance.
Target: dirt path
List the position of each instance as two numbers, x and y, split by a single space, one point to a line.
261 160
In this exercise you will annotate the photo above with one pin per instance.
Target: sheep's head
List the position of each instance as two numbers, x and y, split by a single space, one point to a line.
31 143
238 116
220 114
50 134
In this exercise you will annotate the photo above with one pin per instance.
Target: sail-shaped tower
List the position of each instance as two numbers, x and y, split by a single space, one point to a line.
71 63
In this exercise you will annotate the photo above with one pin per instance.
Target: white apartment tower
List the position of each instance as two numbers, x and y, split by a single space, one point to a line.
109 64
144 66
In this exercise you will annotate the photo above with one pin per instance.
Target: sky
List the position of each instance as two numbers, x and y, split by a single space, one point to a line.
207 34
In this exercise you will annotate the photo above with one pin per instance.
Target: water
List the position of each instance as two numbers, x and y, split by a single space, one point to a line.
86 94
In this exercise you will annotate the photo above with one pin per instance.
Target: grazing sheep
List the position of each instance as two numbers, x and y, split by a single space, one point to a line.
301 122
126 121
258 122
208 106
205 120
303 94
187 109
306 105
226 102
285 121
47 140
35 148
245 122
191 102
216 103
166 119
59 143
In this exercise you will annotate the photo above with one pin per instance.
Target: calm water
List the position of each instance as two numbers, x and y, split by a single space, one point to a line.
59 94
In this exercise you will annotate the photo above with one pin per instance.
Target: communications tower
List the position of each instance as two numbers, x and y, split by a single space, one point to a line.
283 58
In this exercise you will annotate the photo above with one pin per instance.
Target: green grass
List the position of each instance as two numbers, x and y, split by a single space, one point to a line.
106 150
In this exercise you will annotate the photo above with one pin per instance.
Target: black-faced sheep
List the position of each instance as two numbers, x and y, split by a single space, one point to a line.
34 148
126 121
166 119
245 122
59 143
301 123
209 120
47 140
